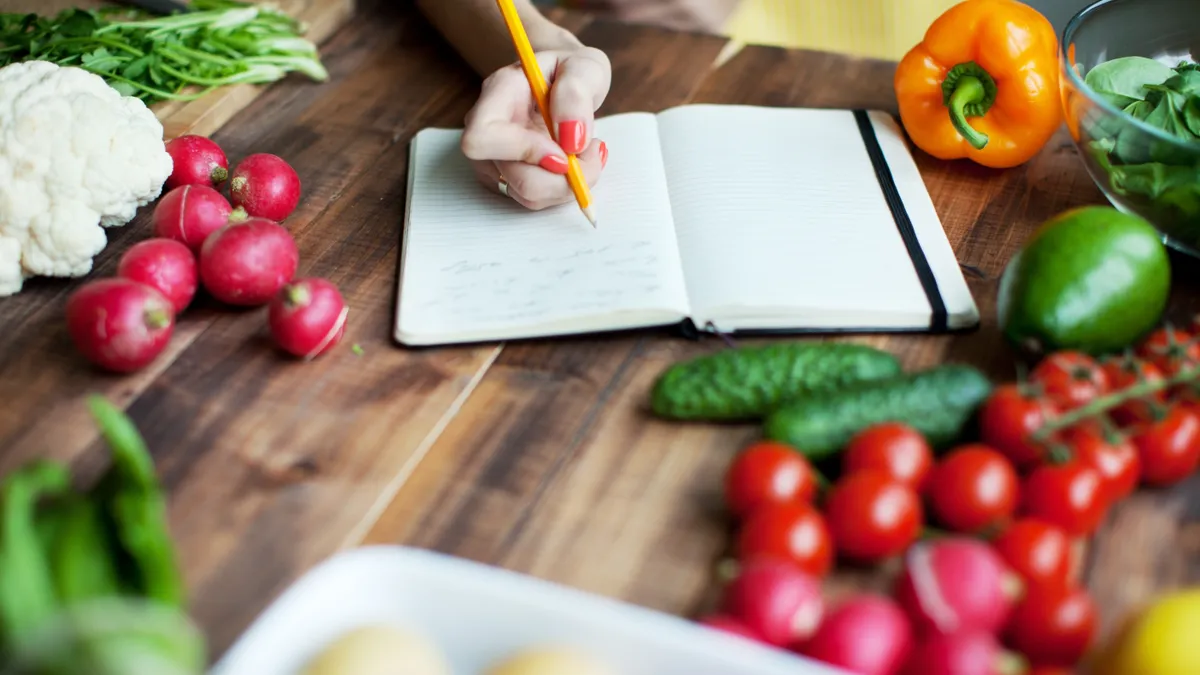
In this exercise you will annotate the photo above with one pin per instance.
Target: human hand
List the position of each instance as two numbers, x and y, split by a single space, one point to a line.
506 138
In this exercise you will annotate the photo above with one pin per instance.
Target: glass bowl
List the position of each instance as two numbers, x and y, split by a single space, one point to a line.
1135 142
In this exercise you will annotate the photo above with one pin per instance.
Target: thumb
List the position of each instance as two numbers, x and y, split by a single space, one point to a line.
580 84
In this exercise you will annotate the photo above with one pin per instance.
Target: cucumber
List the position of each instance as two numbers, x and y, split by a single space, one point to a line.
938 403
749 382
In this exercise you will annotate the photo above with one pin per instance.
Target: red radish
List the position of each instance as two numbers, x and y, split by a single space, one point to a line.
198 161
165 265
266 187
729 625
776 600
190 213
965 653
956 584
308 317
247 263
119 324
868 635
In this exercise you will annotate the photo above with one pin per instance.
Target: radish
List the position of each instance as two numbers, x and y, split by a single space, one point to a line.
966 653
956 584
119 324
198 161
775 600
730 625
247 263
165 265
190 213
868 635
265 186
308 317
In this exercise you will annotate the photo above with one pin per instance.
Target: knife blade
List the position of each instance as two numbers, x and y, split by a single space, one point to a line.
159 6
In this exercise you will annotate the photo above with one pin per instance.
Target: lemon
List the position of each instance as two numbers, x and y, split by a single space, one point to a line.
1160 640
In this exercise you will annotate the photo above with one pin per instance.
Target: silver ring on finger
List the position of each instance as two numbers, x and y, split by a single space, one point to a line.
503 186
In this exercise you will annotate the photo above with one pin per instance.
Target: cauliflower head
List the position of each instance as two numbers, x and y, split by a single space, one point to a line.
76 157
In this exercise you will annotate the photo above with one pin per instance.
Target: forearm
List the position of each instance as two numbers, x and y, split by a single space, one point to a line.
476 30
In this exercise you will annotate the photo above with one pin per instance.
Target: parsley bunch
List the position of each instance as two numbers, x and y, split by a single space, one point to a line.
178 57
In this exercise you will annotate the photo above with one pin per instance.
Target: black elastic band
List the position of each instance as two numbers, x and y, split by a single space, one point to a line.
938 320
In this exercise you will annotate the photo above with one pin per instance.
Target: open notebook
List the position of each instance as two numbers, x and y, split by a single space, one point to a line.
730 218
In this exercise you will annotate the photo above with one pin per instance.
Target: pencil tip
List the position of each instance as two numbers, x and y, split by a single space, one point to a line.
591 215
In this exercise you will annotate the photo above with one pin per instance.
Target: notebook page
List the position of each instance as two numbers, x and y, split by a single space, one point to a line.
780 217
478 266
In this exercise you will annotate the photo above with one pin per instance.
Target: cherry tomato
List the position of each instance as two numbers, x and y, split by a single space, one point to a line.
872 516
1171 350
894 448
1069 495
1115 458
768 473
972 488
1037 551
1169 448
1053 627
1070 379
793 532
1125 372
1007 420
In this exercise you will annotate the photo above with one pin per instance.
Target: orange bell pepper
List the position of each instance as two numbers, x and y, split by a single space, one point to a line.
983 84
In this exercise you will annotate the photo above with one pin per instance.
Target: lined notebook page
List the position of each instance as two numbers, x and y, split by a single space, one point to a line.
780 217
478 266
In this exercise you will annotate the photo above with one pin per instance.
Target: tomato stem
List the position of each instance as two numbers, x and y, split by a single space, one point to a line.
930 532
1112 435
1059 454
824 485
1105 403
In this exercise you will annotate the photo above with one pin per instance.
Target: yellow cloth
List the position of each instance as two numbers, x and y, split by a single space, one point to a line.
873 28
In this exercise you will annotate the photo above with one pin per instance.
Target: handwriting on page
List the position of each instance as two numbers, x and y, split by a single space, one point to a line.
476 261
556 283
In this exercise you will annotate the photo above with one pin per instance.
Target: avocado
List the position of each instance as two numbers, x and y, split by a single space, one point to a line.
1092 279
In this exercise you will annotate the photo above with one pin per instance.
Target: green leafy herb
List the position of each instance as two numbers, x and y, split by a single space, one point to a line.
1161 177
88 580
178 57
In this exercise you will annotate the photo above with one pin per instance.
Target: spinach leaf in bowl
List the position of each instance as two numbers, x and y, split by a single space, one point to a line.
1123 81
1161 177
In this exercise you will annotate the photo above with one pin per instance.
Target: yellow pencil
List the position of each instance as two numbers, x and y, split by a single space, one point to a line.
541 93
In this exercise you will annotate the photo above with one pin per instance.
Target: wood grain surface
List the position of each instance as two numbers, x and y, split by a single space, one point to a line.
207 114
537 456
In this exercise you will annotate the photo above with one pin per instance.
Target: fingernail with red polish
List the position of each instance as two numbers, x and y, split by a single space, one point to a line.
572 136
603 154
554 164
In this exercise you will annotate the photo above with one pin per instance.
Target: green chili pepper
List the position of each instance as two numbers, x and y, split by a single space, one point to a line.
135 505
27 595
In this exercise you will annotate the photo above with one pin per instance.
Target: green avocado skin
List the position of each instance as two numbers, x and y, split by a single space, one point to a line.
1092 279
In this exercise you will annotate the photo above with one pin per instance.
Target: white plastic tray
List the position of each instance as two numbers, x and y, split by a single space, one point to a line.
479 614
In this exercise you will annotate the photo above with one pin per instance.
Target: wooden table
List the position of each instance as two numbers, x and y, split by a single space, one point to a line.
536 457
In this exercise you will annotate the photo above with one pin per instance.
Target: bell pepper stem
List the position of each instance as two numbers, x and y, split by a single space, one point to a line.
968 91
